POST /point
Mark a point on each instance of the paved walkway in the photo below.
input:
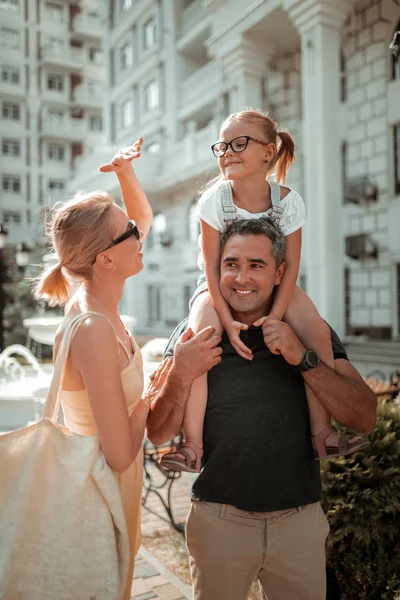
(153, 580)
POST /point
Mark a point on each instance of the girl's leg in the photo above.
(188, 456)
(314, 333)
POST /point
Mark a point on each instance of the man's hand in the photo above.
(280, 339)
(194, 355)
(123, 158)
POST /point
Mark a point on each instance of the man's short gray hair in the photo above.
(263, 226)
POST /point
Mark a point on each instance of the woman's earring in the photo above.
(266, 161)
(114, 269)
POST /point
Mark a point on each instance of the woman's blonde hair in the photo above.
(282, 139)
(78, 230)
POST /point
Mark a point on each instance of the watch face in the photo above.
(312, 359)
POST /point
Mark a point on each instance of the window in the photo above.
(154, 303)
(55, 187)
(127, 113)
(126, 56)
(10, 74)
(396, 132)
(94, 55)
(396, 61)
(149, 34)
(9, 4)
(11, 111)
(343, 78)
(95, 123)
(151, 96)
(344, 169)
(11, 183)
(126, 4)
(11, 147)
(9, 38)
(56, 152)
(55, 82)
(54, 12)
(56, 113)
(10, 216)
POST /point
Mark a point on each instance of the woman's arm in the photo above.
(285, 290)
(211, 247)
(135, 200)
(94, 353)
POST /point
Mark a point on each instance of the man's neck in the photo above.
(248, 318)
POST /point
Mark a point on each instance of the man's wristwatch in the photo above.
(310, 361)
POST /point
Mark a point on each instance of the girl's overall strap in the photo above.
(277, 209)
(228, 206)
(52, 405)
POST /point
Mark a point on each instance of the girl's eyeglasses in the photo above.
(238, 144)
(131, 230)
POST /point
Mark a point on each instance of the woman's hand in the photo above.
(233, 329)
(123, 158)
(157, 380)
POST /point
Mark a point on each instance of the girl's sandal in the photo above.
(346, 444)
(182, 460)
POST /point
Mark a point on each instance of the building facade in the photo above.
(323, 70)
(51, 94)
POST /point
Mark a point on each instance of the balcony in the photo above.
(87, 97)
(86, 26)
(70, 57)
(191, 16)
(201, 87)
(67, 128)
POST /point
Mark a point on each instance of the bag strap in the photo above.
(277, 209)
(52, 405)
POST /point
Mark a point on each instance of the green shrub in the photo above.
(362, 502)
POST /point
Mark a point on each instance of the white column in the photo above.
(319, 23)
(244, 64)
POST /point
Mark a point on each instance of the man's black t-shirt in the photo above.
(257, 442)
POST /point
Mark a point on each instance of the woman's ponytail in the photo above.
(52, 286)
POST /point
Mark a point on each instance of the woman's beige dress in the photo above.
(79, 419)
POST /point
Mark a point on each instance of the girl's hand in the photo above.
(123, 158)
(233, 330)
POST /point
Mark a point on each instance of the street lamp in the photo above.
(22, 256)
(3, 240)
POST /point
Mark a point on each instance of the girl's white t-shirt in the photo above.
(210, 210)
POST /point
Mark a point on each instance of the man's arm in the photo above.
(342, 392)
(169, 390)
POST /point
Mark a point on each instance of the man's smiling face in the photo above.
(249, 275)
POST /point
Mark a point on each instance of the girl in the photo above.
(98, 249)
(250, 151)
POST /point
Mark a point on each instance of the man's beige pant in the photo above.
(284, 550)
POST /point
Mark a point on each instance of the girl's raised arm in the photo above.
(135, 200)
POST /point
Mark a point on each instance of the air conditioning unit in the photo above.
(361, 246)
(360, 191)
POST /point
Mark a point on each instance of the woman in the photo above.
(98, 249)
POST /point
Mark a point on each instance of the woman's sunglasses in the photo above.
(131, 230)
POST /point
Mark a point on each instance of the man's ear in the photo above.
(280, 272)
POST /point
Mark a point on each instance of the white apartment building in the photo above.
(323, 70)
(51, 94)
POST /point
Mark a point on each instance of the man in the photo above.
(256, 503)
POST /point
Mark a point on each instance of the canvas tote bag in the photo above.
(62, 527)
